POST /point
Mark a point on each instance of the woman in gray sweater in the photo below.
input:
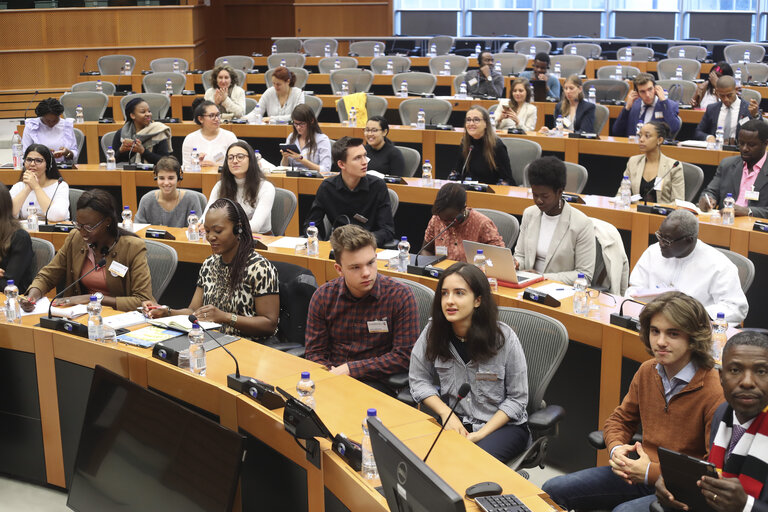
(169, 205)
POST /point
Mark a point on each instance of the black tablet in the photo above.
(681, 472)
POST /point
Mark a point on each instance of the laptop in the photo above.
(503, 268)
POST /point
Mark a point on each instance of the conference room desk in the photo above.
(62, 366)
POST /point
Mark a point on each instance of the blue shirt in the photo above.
(676, 384)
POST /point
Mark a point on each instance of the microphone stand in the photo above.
(463, 391)
(58, 324)
(658, 210)
(45, 227)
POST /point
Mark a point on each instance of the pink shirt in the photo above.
(748, 180)
(95, 281)
(476, 228)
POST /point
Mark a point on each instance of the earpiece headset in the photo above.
(238, 228)
(179, 175)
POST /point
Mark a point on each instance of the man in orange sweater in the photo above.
(673, 396)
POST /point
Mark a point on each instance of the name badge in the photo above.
(743, 120)
(441, 250)
(658, 115)
(378, 326)
(487, 376)
(752, 195)
(117, 269)
(472, 81)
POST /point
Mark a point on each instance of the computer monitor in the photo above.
(141, 451)
(409, 484)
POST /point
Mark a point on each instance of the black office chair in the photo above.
(297, 285)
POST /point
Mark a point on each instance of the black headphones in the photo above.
(237, 229)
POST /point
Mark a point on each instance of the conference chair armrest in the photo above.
(545, 419)
(397, 380)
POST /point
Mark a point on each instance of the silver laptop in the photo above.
(503, 267)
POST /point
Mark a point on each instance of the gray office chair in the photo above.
(569, 64)
(607, 89)
(202, 201)
(242, 62)
(113, 64)
(94, 104)
(736, 52)
(635, 53)
(374, 106)
(524, 46)
(693, 176)
(315, 47)
(608, 72)
(576, 177)
(437, 111)
(511, 63)
(250, 104)
(288, 45)
(328, 64)
(751, 94)
(601, 117)
(74, 196)
(315, 103)
(294, 60)
(162, 260)
(521, 153)
(394, 202)
(206, 78)
(687, 51)
(166, 64)
(507, 224)
(758, 71)
(302, 75)
(283, 208)
(107, 88)
(418, 82)
(744, 265)
(43, 251)
(586, 50)
(458, 64)
(443, 44)
(80, 140)
(544, 341)
(681, 91)
(412, 160)
(667, 68)
(359, 80)
(155, 82)
(159, 104)
(367, 48)
(400, 64)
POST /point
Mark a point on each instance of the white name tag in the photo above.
(441, 250)
(378, 326)
(473, 81)
(117, 269)
(658, 115)
(743, 120)
(751, 195)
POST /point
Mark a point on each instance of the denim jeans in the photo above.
(599, 488)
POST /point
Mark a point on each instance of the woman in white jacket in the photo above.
(226, 92)
(277, 102)
(521, 113)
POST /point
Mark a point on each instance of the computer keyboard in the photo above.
(502, 503)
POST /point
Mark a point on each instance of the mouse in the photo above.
(483, 489)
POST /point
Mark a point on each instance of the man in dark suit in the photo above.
(646, 102)
(745, 177)
(730, 112)
(738, 433)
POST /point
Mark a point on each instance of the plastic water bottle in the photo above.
(197, 350)
(337, 64)
(463, 90)
(79, 117)
(403, 253)
(369, 470)
(426, 174)
(274, 48)
(746, 56)
(681, 53)
(421, 119)
(625, 194)
(306, 390)
(480, 260)
(679, 73)
(32, 217)
(12, 306)
(556, 71)
(719, 138)
(327, 50)
(377, 50)
(403, 89)
(352, 121)
(111, 162)
(127, 218)
(95, 322)
(719, 337)
(257, 115)
(127, 68)
(176, 67)
(194, 166)
(99, 86)
(592, 95)
(193, 226)
(17, 150)
(532, 52)
(313, 247)
(168, 88)
(390, 68)
(580, 306)
(638, 130)
(282, 63)
(225, 62)
(497, 67)
(573, 50)
(344, 88)
(478, 49)
(559, 126)
(737, 77)
(618, 72)
(446, 68)
(714, 216)
(433, 50)
(728, 213)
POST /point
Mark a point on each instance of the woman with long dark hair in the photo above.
(314, 146)
(141, 140)
(123, 281)
(243, 182)
(705, 94)
(483, 156)
(51, 130)
(236, 287)
(465, 342)
(39, 184)
(17, 261)
(384, 155)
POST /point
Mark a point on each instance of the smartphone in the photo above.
(504, 102)
(290, 147)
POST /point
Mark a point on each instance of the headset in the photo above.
(179, 173)
(238, 228)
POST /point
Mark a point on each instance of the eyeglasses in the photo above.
(473, 120)
(215, 115)
(297, 124)
(371, 130)
(237, 156)
(36, 161)
(666, 241)
(87, 227)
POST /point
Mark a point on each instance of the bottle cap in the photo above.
(195, 325)
(312, 224)
(426, 161)
(94, 298)
(126, 207)
(721, 316)
(371, 412)
(304, 375)
(479, 251)
(191, 212)
(403, 238)
(10, 281)
(581, 276)
(31, 203)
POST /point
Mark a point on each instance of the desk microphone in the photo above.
(52, 196)
(84, 61)
(463, 392)
(626, 321)
(24, 121)
(466, 164)
(660, 210)
(52, 323)
(458, 220)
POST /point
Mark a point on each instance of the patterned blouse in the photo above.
(259, 279)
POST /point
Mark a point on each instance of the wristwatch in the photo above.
(232, 319)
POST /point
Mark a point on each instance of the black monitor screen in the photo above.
(409, 484)
(140, 451)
